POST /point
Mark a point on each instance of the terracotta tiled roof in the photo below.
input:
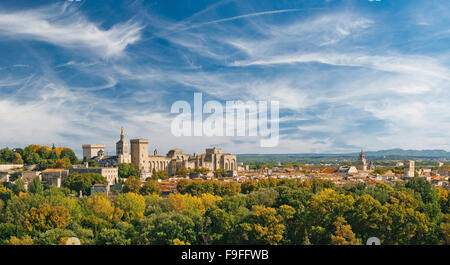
(330, 170)
(54, 170)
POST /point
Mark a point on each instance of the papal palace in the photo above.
(175, 159)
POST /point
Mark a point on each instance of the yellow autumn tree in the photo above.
(344, 234)
(46, 217)
(263, 226)
(61, 163)
(176, 241)
(26, 240)
(176, 202)
(132, 205)
(101, 206)
(209, 200)
(443, 198)
(18, 159)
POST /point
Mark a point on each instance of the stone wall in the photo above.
(7, 167)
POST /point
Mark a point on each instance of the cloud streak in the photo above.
(217, 21)
(68, 28)
(398, 64)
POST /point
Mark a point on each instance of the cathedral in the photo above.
(123, 149)
(362, 163)
(174, 160)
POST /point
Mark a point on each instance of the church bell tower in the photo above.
(123, 149)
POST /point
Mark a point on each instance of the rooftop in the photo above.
(54, 170)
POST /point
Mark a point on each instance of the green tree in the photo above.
(36, 186)
(6, 155)
(126, 170)
(150, 187)
(406, 224)
(164, 228)
(263, 226)
(83, 182)
(344, 234)
(18, 187)
(369, 218)
(8, 230)
(111, 236)
(132, 184)
(427, 193)
(161, 174)
(101, 213)
(99, 205)
(228, 189)
(249, 186)
(5, 194)
(69, 154)
(53, 236)
(132, 205)
(46, 217)
(26, 240)
(15, 212)
(219, 225)
(322, 212)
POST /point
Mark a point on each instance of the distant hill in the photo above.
(419, 153)
(390, 154)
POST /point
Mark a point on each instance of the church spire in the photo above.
(122, 136)
(122, 148)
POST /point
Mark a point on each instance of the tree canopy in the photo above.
(217, 212)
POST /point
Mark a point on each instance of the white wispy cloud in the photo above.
(69, 28)
(399, 64)
(255, 14)
(338, 91)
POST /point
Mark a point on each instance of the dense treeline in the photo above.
(83, 182)
(212, 212)
(41, 155)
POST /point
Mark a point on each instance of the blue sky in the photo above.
(348, 74)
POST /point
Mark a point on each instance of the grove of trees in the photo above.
(41, 155)
(212, 212)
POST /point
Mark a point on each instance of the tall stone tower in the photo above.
(139, 154)
(92, 150)
(123, 149)
(362, 162)
(409, 168)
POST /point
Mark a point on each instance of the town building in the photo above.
(110, 173)
(100, 188)
(29, 176)
(123, 149)
(92, 150)
(54, 176)
(362, 162)
(175, 159)
(8, 167)
(409, 168)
